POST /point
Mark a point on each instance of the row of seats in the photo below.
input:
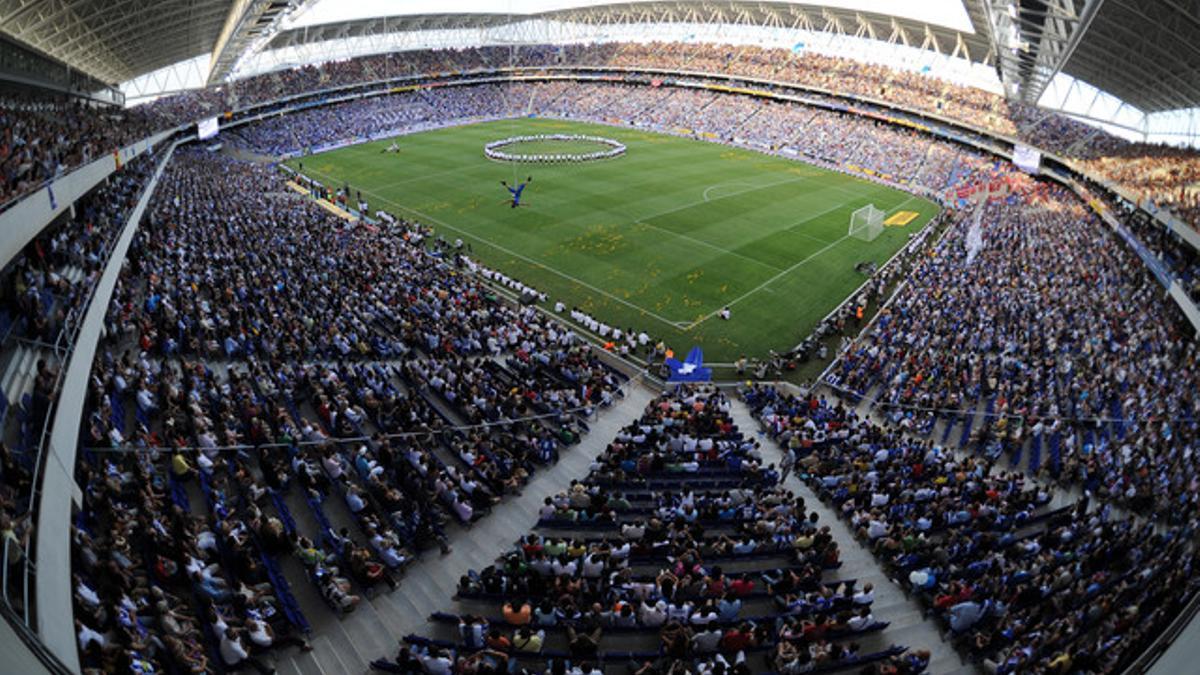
(1020, 586)
(680, 531)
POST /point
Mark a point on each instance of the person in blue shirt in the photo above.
(516, 191)
(729, 607)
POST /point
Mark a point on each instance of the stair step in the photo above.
(363, 629)
(305, 663)
(348, 651)
(326, 656)
(390, 615)
(10, 373)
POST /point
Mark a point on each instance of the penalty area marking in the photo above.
(715, 186)
(785, 272)
(766, 283)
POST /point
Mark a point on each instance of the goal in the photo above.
(866, 223)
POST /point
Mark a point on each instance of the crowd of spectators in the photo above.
(1167, 177)
(43, 291)
(839, 139)
(1072, 350)
(638, 547)
(45, 136)
(258, 347)
(1020, 586)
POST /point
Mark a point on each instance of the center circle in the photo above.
(553, 148)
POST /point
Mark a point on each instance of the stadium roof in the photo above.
(1146, 53)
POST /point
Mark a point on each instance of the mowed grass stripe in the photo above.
(633, 240)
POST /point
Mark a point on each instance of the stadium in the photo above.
(654, 337)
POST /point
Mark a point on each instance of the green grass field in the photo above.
(659, 239)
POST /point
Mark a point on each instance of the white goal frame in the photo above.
(866, 223)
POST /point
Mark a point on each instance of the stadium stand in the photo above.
(1020, 586)
(288, 405)
(678, 497)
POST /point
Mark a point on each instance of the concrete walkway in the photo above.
(349, 644)
(372, 631)
(908, 627)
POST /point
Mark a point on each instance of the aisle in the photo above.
(373, 630)
(908, 627)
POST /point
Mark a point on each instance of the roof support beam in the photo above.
(1034, 40)
(1090, 8)
(249, 25)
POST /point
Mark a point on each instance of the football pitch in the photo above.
(659, 240)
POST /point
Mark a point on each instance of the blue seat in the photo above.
(1035, 454)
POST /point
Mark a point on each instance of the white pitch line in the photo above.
(764, 284)
(714, 186)
(531, 261)
(752, 188)
(698, 202)
(706, 244)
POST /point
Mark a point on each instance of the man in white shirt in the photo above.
(862, 621)
(633, 531)
(706, 641)
(87, 636)
(653, 616)
(437, 662)
(866, 596)
(235, 655)
(876, 528)
(262, 635)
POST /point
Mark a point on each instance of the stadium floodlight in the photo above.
(866, 223)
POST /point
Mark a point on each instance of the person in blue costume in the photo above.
(516, 191)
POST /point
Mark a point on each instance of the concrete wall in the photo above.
(59, 490)
(24, 221)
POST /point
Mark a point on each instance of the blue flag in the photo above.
(50, 192)
(691, 369)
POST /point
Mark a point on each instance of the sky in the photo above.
(948, 13)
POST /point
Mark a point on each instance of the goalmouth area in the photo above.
(660, 239)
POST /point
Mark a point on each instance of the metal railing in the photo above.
(23, 618)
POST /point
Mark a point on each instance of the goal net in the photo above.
(866, 223)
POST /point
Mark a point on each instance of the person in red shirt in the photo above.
(737, 639)
(716, 583)
(741, 586)
(815, 630)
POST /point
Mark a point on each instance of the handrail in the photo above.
(19, 623)
(25, 619)
(1164, 640)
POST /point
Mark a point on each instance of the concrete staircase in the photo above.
(908, 625)
(348, 644)
(72, 274)
(19, 374)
